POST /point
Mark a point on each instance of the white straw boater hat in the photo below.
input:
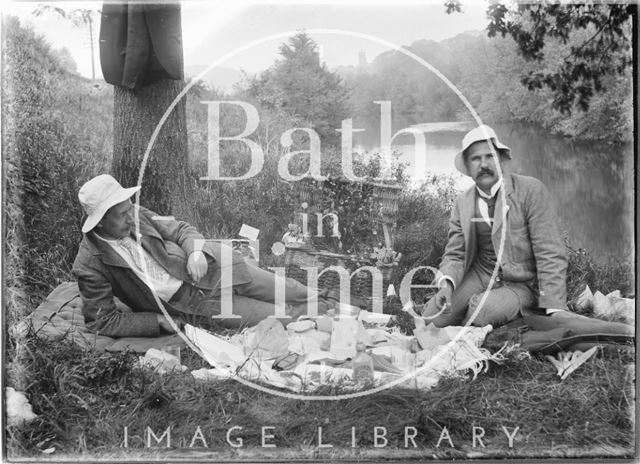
(482, 132)
(98, 195)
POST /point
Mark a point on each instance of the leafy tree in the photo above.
(301, 86)
(487, 71)
(64, 57)
(604, 50)
(79, 17)
(416, 94)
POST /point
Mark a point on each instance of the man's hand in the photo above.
(166, 326)
(443, 297)
(197, 265)
(441, 300)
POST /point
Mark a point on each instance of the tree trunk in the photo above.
(136, 116)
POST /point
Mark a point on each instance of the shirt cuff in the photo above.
(550, 311)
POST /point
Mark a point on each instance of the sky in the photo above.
(213, 29)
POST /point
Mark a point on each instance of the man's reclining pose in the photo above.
(174, 260)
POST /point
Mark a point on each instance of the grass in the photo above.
(583, 270)
(85, 399)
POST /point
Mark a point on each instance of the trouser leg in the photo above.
(252, 311)
(454, 314)
(583, 325)
(197, 308)
(499, 305)
(264, 283)
(503, 303)
(253, 301)
(297, 296)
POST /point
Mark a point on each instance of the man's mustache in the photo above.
(485, 171)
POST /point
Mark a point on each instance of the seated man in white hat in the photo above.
(504, 238)
(170, 262)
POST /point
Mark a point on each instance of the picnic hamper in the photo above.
(313, 252)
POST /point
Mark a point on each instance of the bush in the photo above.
(423, 223)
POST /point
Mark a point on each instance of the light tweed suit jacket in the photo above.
(532, 250)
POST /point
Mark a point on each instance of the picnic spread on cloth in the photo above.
(394, 354)
(310, 352)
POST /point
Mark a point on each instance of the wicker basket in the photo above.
(320, 253)
(299, 257)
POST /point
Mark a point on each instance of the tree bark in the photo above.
(136, 115)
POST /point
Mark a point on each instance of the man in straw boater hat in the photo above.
(532, 268)
(171, 258)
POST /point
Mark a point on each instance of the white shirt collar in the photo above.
(113, 242)
(494, 189)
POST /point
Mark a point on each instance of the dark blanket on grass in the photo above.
(60, 315)
(549, 335)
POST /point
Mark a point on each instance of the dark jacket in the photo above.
(533, 250)
(103, 274)
(140, 43)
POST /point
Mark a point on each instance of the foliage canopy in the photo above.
(604, 50)
(302, 86)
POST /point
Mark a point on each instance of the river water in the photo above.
(592, 185)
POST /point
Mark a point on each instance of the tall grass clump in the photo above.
(71, 389)
(592, 408)
(57, 139)
(56, 134)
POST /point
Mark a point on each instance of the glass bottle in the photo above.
(362, 364)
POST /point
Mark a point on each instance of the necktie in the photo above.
(491, 204)
(142, 260)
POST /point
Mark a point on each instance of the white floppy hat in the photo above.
(98, 195)
(482, 132)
